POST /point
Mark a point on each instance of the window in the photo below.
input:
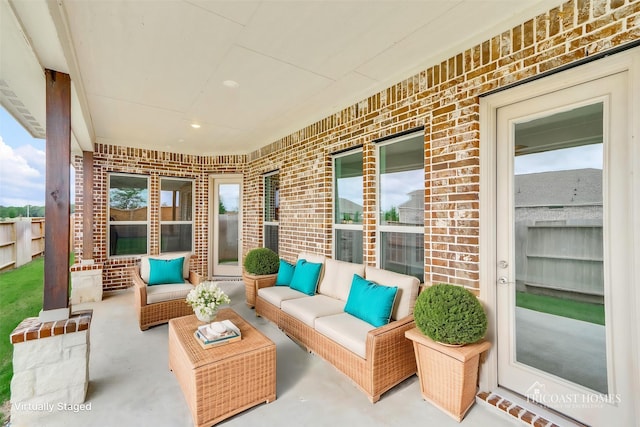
(128, 215)
(347, 202)
(401, 204)
(271, 210)
(176, 215)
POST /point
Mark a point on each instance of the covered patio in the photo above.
(131, 383)
(161, 107)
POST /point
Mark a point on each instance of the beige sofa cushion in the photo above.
(346, 330)
(276, 294)
(338, 276)
(308, 309)
(145, 269)
(407, 289)
(159, 293)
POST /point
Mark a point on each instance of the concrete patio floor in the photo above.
(131, 385)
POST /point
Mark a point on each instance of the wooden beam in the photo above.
(57, 191)
(87, 200)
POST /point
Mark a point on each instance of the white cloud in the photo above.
(22, 175)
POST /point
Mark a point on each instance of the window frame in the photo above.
(266, 223)
(111, 222)
(334, 224)
(161, 222)
(386, 228)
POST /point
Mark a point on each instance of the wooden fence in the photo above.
(21, 240)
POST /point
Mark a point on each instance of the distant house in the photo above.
(559, 195)
(558, 226)
(412, 211)
(350, 210)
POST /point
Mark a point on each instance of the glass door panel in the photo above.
(558, 242)
(227, 221)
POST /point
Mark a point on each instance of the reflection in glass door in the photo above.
(227, 220)
(558, 242)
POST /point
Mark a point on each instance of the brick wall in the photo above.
(155, 165)
(443, 98)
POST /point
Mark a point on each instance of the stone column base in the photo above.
(50, 366)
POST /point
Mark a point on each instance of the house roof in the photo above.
(144, 71)
(559, 188)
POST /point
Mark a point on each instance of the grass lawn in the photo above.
(21, 292)
(588, 312)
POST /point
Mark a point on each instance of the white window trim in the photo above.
(109, 222)
(192, 222)
(334, 224)
(380, 228)
(265, 223)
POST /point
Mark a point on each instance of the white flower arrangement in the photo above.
(206, 298)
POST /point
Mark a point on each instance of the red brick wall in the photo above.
(443, 98)
(155, 165)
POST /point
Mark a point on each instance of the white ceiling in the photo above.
(143, 71)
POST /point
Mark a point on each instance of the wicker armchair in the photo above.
(152, 313)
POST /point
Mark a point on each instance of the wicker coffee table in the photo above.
(222, 381)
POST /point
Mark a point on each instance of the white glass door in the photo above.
(562, 250)
(226, 239)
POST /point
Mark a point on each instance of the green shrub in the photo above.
(261, 261)
(450, 314)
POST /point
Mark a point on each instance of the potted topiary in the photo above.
(260, 269)
(448, 340)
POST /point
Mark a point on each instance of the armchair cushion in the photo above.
(165, 271)
(168, 292)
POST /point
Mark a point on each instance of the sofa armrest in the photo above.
(266, 281)
(194, 278)
(389, 337)
(140, 288)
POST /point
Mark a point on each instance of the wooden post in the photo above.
(87, 200)
(57, 196)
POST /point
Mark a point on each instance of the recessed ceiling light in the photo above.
(195, 125)
(231, 83)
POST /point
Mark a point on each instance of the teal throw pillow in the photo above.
(165, 271)
(370, 302)
(285, 273)
(305, 277)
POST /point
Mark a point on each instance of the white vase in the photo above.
(206, 318)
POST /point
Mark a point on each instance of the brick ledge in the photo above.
(525, 415)
(32, 329)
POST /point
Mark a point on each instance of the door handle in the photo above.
(503, 280)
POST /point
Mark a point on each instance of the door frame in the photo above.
(213, 178)
(628, 61)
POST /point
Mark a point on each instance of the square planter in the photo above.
(448, 375)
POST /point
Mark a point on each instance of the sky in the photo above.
(22, 164)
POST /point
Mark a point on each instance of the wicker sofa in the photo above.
(158, 304)
(375, 358)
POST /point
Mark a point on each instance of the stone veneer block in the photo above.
(50, 364)
(86, 283)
